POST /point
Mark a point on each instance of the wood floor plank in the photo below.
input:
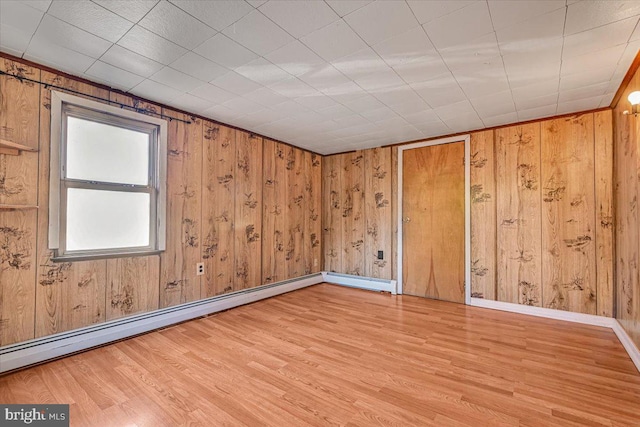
(328, 355)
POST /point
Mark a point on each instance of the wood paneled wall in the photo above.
(541, 206)
(224, 208)
(357, 218)
(627, 219)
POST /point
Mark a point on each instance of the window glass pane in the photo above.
(99, 219)
(99, 152)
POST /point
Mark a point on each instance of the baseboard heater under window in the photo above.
(38, 350)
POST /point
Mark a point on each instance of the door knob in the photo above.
(407, 219)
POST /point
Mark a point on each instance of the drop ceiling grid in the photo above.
(342, 74)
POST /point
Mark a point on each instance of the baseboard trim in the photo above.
(627, 343)
(369, 283)
(587, 319)
(567, 316)
(39, 350)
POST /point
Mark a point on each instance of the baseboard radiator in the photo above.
(38, 350)
(370, 283)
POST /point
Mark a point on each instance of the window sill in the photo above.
(74, 258)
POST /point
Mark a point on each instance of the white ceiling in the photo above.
(339, 75)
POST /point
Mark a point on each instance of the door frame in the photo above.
(467, 207)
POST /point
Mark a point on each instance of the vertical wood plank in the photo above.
(518, 214)
(178, 280)
(19, 119)
(132, 286)
(332, 213)
(313, 218)
(353, 212)
(394, 213)
(377, 212)
(483, 216)
(218, 208)
(603, 128)
(568, 226)
(274, 210)
(295, 212)
(248, 223)
(627, 217)
(68, 295)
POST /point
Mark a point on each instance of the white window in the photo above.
(107, 181)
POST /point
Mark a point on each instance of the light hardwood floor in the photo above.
(328, 355)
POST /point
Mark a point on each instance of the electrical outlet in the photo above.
(200, 268)
(380, 255)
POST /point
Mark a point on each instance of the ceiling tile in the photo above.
(345, 7)
(422, 117)
(584, 15)
(334, 41)
(508, 13)
(472, 54)
(335, 111)
(323, 77)
(91, 18)
(199, 67)
(440, 91)
(262, 71)
(397, 95)
(364, 104)
(579, 105)
(483, 80)
(405, 47)
(495, 104)
(219, 17)
(175, 25)
(132, 10)
(636, 34)
(431, 129)
(583, 92)
(113, 76)
(580, 63)
(176, 80)
(316, 101)
(379, 114)
(379, 80)
(155, 91)
(536, 113)
(191, 103)
(235, 83)
(460, 26)
(606, 100)
(289, 108)
(54, 31)
(390, 17)
(360, 64)
(295, 58)
(422, 69)
(546, 87)
(503, 119)
(265, 96)
(293, 88)
(257, 33)
(532, 34)
(427, 11)
(13, 40)
(536, 101)
(221, 113)
(130, 61)
(41, 5)
(256, 3)
(212, 93)
(20, 16)
(262, 117)
(44, 52)
(412, 104)
(243, 106)
(299, 18)
(152, 46)
(588, 77)
(599, 38)
(225, 51)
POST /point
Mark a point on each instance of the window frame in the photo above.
(63, 106)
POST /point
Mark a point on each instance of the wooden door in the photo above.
(433, 222)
